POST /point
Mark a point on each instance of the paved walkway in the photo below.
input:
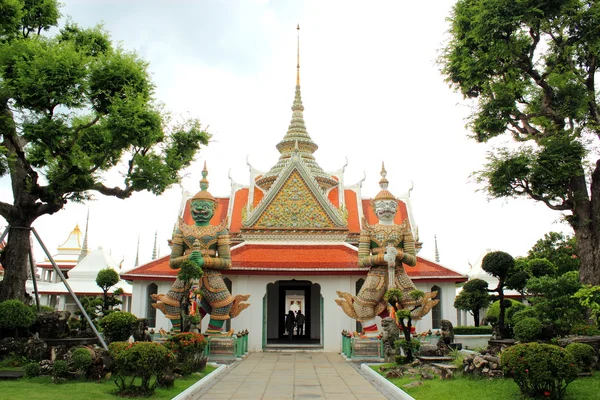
(275, 376)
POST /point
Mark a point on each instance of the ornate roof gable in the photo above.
(295, 201)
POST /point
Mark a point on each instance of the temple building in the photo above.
(80, 267)
(294, 232)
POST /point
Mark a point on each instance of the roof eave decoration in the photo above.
(296, 164)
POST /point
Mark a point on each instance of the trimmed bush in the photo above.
(584, 330)
(118, 326)
(15, 315)
(515, 307)
(527, 312)
(60, 371)
(540, 370)
(188, 349)
(584, 354)
(32, 370)
(147, 361)
(81, 360)
(528, 330)
(473, 330)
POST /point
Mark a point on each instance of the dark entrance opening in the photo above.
(295, 295)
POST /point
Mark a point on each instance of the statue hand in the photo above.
(196, 257)
(400, 255)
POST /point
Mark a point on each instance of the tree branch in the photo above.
(6, 210)
(115, 191)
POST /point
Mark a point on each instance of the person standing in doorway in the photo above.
(300, 322)
(290, 321)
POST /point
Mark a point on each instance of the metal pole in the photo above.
(33, 278)
(62, 278)
(4, 233)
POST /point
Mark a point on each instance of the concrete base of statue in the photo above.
(362, 349)
(227, 348)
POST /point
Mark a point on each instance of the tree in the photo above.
(559, 249)
(555, 303)
(403, 318)
(73, 107)
(500, 265)
(106, 279)
(530, 67)
(473, 297)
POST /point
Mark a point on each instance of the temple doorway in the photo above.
(295, 295)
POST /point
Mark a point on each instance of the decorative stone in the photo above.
(52, 325)
(413, 384)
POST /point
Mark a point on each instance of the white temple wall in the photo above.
(334, 319)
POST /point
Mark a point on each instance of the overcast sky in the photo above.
(372, 92)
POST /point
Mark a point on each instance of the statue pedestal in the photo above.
(362, 349)
(227, 349)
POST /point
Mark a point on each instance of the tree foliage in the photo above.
(559, 249)
(500, 265)
(473, 297)
(73, 107)
(554, 302)
(530, 69)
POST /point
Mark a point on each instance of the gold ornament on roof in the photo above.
(384, 194)
(203, 194)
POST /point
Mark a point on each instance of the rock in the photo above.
(52, 325)
(413, 384)
(36, 349)
(485, 371)
(479, 361)
(447, 374)
(394, 373)
(426, 376)
(491, 358)
(10, 345)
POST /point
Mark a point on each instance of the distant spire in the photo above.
(137, 254)
(437, 253)
(84, 248)
(155, 249)
(297, 133)
(298, 58)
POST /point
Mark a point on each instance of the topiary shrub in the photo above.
(584, 354)
(143, 363)
(540, 370)
(528, 330)
(81, 360)
(32, 370)
(118, 326)
(473, 330)
(188, 349)
(515, 307)
(584, 330)
(15, 315)
(60, 371)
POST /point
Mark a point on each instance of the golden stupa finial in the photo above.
(384, 194)
(203, 194)
(298, 58)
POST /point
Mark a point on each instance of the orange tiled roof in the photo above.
(281, 259)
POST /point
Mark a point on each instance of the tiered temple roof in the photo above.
(297, 219)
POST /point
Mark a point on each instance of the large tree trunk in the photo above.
(589, 255)
(586, 224)
(14, 260)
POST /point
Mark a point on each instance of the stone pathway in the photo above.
(275, 376)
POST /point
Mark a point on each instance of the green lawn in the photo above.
(42, 388)
(460, 388)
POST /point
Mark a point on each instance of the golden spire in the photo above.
(298, 58)
(203, 194)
